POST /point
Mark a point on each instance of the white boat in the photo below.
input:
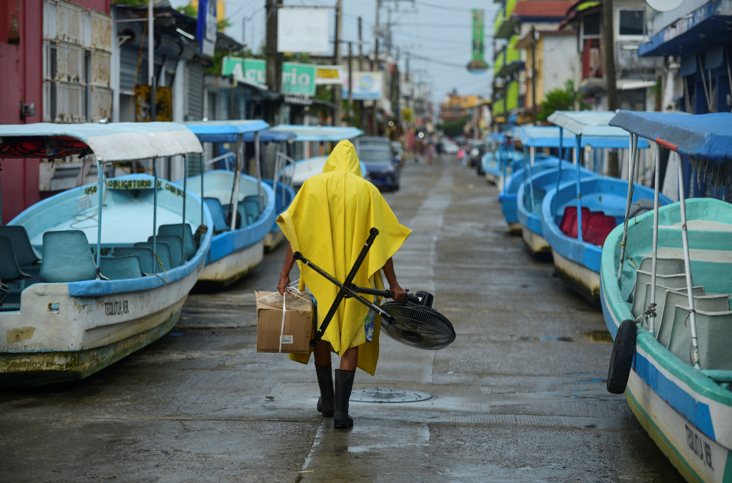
(73, 311)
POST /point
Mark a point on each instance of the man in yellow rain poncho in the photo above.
(328, 222)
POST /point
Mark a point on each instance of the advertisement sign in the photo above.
(478, 64)
(297, 79)
(303, 29)
(329, 74)
(163, 104)
(366, 85)
(206, 27)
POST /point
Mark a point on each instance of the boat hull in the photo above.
(232, 267)
(535, 243)
(273, 239)
(583, 280)
(515, 228)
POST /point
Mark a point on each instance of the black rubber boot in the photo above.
(343, 386)
(325, 381)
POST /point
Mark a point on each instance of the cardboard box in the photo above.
(297, 332)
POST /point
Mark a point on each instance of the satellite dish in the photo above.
(664, 5)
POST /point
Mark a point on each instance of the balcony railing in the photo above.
(503, 14)
(592, 65)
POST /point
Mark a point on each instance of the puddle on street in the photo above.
(596, 336)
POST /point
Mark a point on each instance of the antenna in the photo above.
(664, 5)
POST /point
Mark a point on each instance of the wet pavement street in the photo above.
(519, 396)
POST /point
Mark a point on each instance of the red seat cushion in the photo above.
(596, 225)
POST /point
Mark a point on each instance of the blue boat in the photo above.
(577, 216)
(242, 207)
(303, 170)
(493, 164)
(665, 296)
(97, 272)
(543, 177)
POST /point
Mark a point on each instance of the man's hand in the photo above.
(284, 282)
(399, 292)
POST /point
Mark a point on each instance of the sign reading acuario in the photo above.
(298, 79)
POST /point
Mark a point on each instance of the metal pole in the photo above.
(237, 178)
(100, 170)
(628, 203)
(1, 199)
(655, 242)
(155, 212)
(561, 161)
(687, 263)
(183, 225)
(532, 151)
(337, 94)
(259, 171)
(350, 74)
(579, 192)
(150, 44)
(203, 167)
(533, 75)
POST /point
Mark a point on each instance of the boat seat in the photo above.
(121, 268)
(673, 282)
(239, 217)
(713, 329)
(218, 215)
(661, 301)
(143, 253)
(24, 253)
(9, 269)
(673, 299)
(163, 253)
(67, 257)
(251, 206)
(664, 266)
(175, 230)
(176, 248)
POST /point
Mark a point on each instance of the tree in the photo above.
(560, 100)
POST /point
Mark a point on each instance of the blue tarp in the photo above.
(701, 136)
(224, 131)
(319, 133)
(548, 137)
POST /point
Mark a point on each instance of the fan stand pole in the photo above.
(345, 287)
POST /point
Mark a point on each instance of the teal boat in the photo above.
(94, 273)
(666, 288)
(242, 207)
(577, 216)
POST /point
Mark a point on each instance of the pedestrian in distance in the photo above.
(461, 156)
(328, 222)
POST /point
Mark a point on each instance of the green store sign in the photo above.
(297, 79)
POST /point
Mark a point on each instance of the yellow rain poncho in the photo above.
(328, 222)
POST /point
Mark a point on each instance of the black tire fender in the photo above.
(621, 359)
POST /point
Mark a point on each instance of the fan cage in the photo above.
(418, 326)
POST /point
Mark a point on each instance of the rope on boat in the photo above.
(161, 264)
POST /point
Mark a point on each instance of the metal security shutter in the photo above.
(127, 67)
(194, 109)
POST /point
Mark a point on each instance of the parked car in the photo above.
(449, 147)
(398, 150)
(476, 152)
(367, 142)
(381, 170)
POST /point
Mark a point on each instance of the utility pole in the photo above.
(350, 74)
(608, 30)
(360, 46)
(151, 58)
(273, 59)
(375, 65)
(337, 91)
(534, 104)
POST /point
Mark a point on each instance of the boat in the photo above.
(97, 272)
(665, 298)
(242, 207)
(304, 169)
(493, 164)
(577, 216)
(544, 176)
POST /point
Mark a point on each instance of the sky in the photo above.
(437, 30)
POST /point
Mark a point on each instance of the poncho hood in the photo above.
(328, 222)
(343, 158)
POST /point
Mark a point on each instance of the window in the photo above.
(591, 25)
(77, 46)
(631, 23)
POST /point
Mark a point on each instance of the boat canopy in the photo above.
(115, 142)
(592, 124)
(270, 136)
(548, 137)
(225, 131)
(319, 133)
(701, 136)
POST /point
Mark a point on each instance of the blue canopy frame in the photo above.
(319, 133)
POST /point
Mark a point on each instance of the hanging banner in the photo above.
(478, 64)
(303, 29)
(297, 79)
(329, 74)
(206, 26)
(366, 85)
